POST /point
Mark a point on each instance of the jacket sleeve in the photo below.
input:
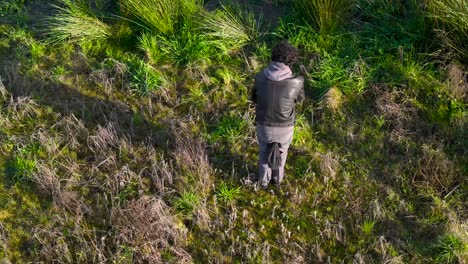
(253, 96)
(301, 94)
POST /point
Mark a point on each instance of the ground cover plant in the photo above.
(127, 134)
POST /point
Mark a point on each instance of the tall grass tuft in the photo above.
(324, 15)
(168, 30)
(186, 47)
(451, 17)
(231, 27)
(77, 23)
(160, 16)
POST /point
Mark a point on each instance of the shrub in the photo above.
(324, 15)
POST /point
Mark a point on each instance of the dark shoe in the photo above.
(277, 185)
(275, 182)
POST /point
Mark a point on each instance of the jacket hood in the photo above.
(277, 71)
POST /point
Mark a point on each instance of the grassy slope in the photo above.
(376, 172)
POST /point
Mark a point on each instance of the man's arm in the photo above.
(301, 95)
(253, 95)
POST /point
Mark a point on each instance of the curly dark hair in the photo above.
(285, 53)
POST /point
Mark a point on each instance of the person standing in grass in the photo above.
(275, 93)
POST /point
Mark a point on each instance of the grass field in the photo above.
(127, 134)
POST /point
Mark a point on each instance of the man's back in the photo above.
(276, 99)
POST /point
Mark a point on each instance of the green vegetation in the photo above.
(77, 23)
(448, 248)
(187, 203)
(452, 25)
(228, 194)
(21, 166)
(324, 15)
(127, 135)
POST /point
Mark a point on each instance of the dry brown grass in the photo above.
(3, 237)
(143, 226)
(111, 79)
(435, 170)
(195, 172)
(16, 82)
(383, 247)
(458, 225)
(78, 244)
(55, 248)
(458, 82)
(147, 226)
(74, 131)
(3, 91)
(22, 107)
(162, 173)
(399, 112)
(328, 165)
(192, 159)
(47, 180)
(333, 99)
(104, 139)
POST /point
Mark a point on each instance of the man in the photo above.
(276, 91)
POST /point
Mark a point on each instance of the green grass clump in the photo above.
(186, 47)
(449, 248)
(143, 77)
(167, 31)
(77, 23)
(23, 164)
(187, 203)
(160, 16)
(20, 169)
(231, 27)
(326, 16)
(451, 17)
(175, 34)
(228, 193)
(11, 6)
(368, 227)
(229, 129)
